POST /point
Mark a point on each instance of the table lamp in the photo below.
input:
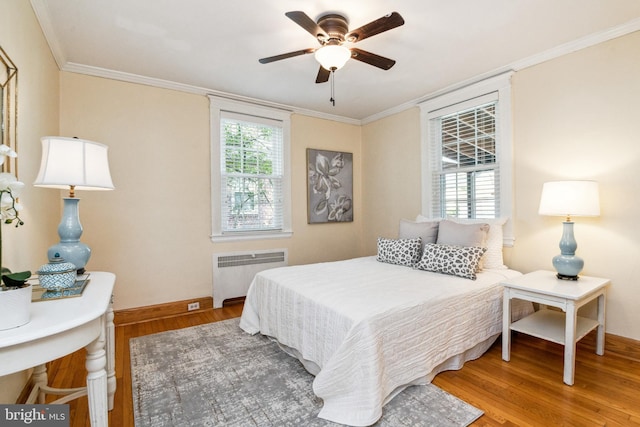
(75, 164)
(569, 198)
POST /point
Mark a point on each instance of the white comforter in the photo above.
(372, 328)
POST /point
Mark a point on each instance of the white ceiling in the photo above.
(213, 46)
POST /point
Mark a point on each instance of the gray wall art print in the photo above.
(329, 186)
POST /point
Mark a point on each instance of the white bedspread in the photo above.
(372, 328)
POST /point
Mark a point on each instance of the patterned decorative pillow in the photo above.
(459, 261)
(399, 251)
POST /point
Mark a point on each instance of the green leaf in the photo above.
(22, 275)
(16, 280)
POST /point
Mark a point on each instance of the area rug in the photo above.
(218, 375)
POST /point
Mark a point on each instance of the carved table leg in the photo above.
(111, 355)
(40, 379)
(97, 382)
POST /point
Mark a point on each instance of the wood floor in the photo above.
(527, 391)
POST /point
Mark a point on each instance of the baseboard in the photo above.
(158, 311)
(625, 347)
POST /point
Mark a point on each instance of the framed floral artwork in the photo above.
(329, 186)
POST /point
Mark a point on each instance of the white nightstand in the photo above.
(566, 328)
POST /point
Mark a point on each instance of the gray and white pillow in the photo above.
(459, 261)
(399, 251)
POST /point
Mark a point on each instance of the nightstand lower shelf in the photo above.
(550, 325)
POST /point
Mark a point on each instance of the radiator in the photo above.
(233, 272)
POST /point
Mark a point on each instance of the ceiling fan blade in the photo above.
(307, 23)
(285, 56)
(378, 26)
(323, 75)
(372, 58)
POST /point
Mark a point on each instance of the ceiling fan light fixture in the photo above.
(332, 57)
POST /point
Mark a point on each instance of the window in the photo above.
(464, 169)
(250, 178)
(467, 153)
(251, 174)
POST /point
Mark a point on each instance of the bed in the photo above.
(368, 328)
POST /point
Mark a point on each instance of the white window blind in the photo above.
(465, 170)
(251, 173)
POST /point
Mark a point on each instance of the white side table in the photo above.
(566, 328)
(60, 327)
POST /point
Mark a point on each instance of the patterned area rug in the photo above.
(217, 375)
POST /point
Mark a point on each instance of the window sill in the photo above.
(245, 235)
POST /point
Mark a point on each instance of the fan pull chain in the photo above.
(332, 100)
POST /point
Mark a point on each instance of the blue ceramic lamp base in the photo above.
(76, 253)
(70, 248)
(568, 267)
(567, 264)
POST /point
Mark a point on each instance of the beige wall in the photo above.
(323, 242)
(25, 248)
(575, 117)
(391, 173)
(153, 230)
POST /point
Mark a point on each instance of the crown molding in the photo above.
(558, 51)
(578, 44)
(167, 84)
(73, 67)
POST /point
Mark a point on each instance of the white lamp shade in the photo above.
(72, 161)
(332, 57)
(566, 198)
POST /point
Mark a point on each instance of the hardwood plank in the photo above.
(527, 391)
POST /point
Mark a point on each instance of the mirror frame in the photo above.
(9, 109)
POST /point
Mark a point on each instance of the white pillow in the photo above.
(426, 230)
(493, 257)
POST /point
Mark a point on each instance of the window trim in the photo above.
(467, 96)
(216, 106)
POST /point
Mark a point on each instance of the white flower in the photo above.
(5, 151)
(8, 182)
(10, 189)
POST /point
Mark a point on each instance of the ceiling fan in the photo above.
(332, 32)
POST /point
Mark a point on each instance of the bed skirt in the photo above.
(454, 363)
